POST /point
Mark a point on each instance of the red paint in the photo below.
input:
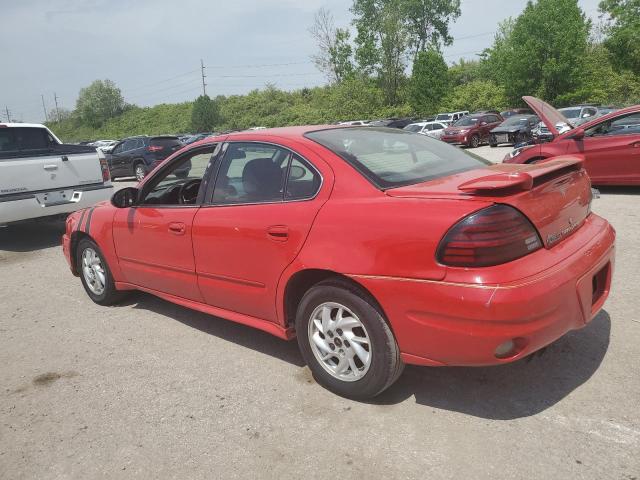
(236, 261)
(608, 159)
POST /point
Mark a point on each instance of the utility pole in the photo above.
(204, 85)
(55, 99)
(44, 108)
(6, 109)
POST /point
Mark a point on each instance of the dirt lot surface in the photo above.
(148, 389)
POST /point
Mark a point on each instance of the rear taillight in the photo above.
(104, 166)
(154, 148)
(491, 236)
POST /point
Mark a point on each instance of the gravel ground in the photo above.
(152, 390)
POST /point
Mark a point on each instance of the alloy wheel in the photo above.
(93, 271)
(339, 341)
(140, 172)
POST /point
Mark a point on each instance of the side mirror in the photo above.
(126, 197)
(483, 123)
(296, 172)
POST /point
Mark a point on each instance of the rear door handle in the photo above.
(51, 167)
(177, 228)
(279, 233)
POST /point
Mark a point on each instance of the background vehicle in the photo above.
(40, 176)
(136, 156)
(579, 114)
(450, 118)
(516, 111)
(354, 122)
(246, 237)
(610, 144)
(392, 122)
(515, 129)
(471, 130)
(432, 129)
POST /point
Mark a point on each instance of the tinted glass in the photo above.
(570, 112)
(251, 173)
(516, 120)
(129, 145)
(443, 117)
(625, 125)
(302, 182)
(413, 128)
(23, 139)
(165, 141)
(392, 158)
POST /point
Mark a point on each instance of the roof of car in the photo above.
(28, 125)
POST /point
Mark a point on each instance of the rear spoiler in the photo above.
(523, 177)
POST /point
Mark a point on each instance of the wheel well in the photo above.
(75, 239)
(302, 281)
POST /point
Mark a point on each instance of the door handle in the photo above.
(177, 228)
(279, 233)
(51, 167)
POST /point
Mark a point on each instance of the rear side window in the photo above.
(392, 158)
(21, 139)
(302, 181)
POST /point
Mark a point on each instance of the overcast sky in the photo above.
(152, 48)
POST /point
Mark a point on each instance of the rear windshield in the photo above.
(24, 138)
(516, 120)
(164, 141)
(393, 158)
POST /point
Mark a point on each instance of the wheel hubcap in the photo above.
(93, 271)
(339, 342)
(139, 172)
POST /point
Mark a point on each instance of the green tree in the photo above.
(99, 102)
(205, 115)
(474, 96)
(334, 57)
(429, 82)
(465, 71)
(542, 53)
(623, 30)
(388, 31)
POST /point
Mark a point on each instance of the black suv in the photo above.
(136, 156)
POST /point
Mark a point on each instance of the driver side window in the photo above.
(181, 183)
(623, 125)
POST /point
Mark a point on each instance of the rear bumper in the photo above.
(440, 323)
(27, 206)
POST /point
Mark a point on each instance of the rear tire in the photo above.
(346, 341)
(139, 170)
(95, 274)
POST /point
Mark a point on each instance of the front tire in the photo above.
(474, 141)
(493, 143)
(95, 274)
(346, 341)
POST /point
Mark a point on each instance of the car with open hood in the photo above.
(374, 247)
(609, 145)
(514, 130)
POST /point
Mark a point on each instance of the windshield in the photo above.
(570, 112)
(414, 127)
(467, 122)
(393, 158)
(515, 120)
(444, 116)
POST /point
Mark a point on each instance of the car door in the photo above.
(612, 150)
(153, 238)
(118, 159)
(261, 209)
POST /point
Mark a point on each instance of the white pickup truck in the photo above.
(40, 176)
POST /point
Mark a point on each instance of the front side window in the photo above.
(392, 158)
(467, 122)
(623, 125)
(181, 184)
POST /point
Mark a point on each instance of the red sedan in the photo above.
(375, 247)
(609, 144)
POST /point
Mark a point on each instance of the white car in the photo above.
(431, 129)
(40, 176)
(355, 123)
(451, 117)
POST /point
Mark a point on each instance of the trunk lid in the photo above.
(554, 195)
(551, 117)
